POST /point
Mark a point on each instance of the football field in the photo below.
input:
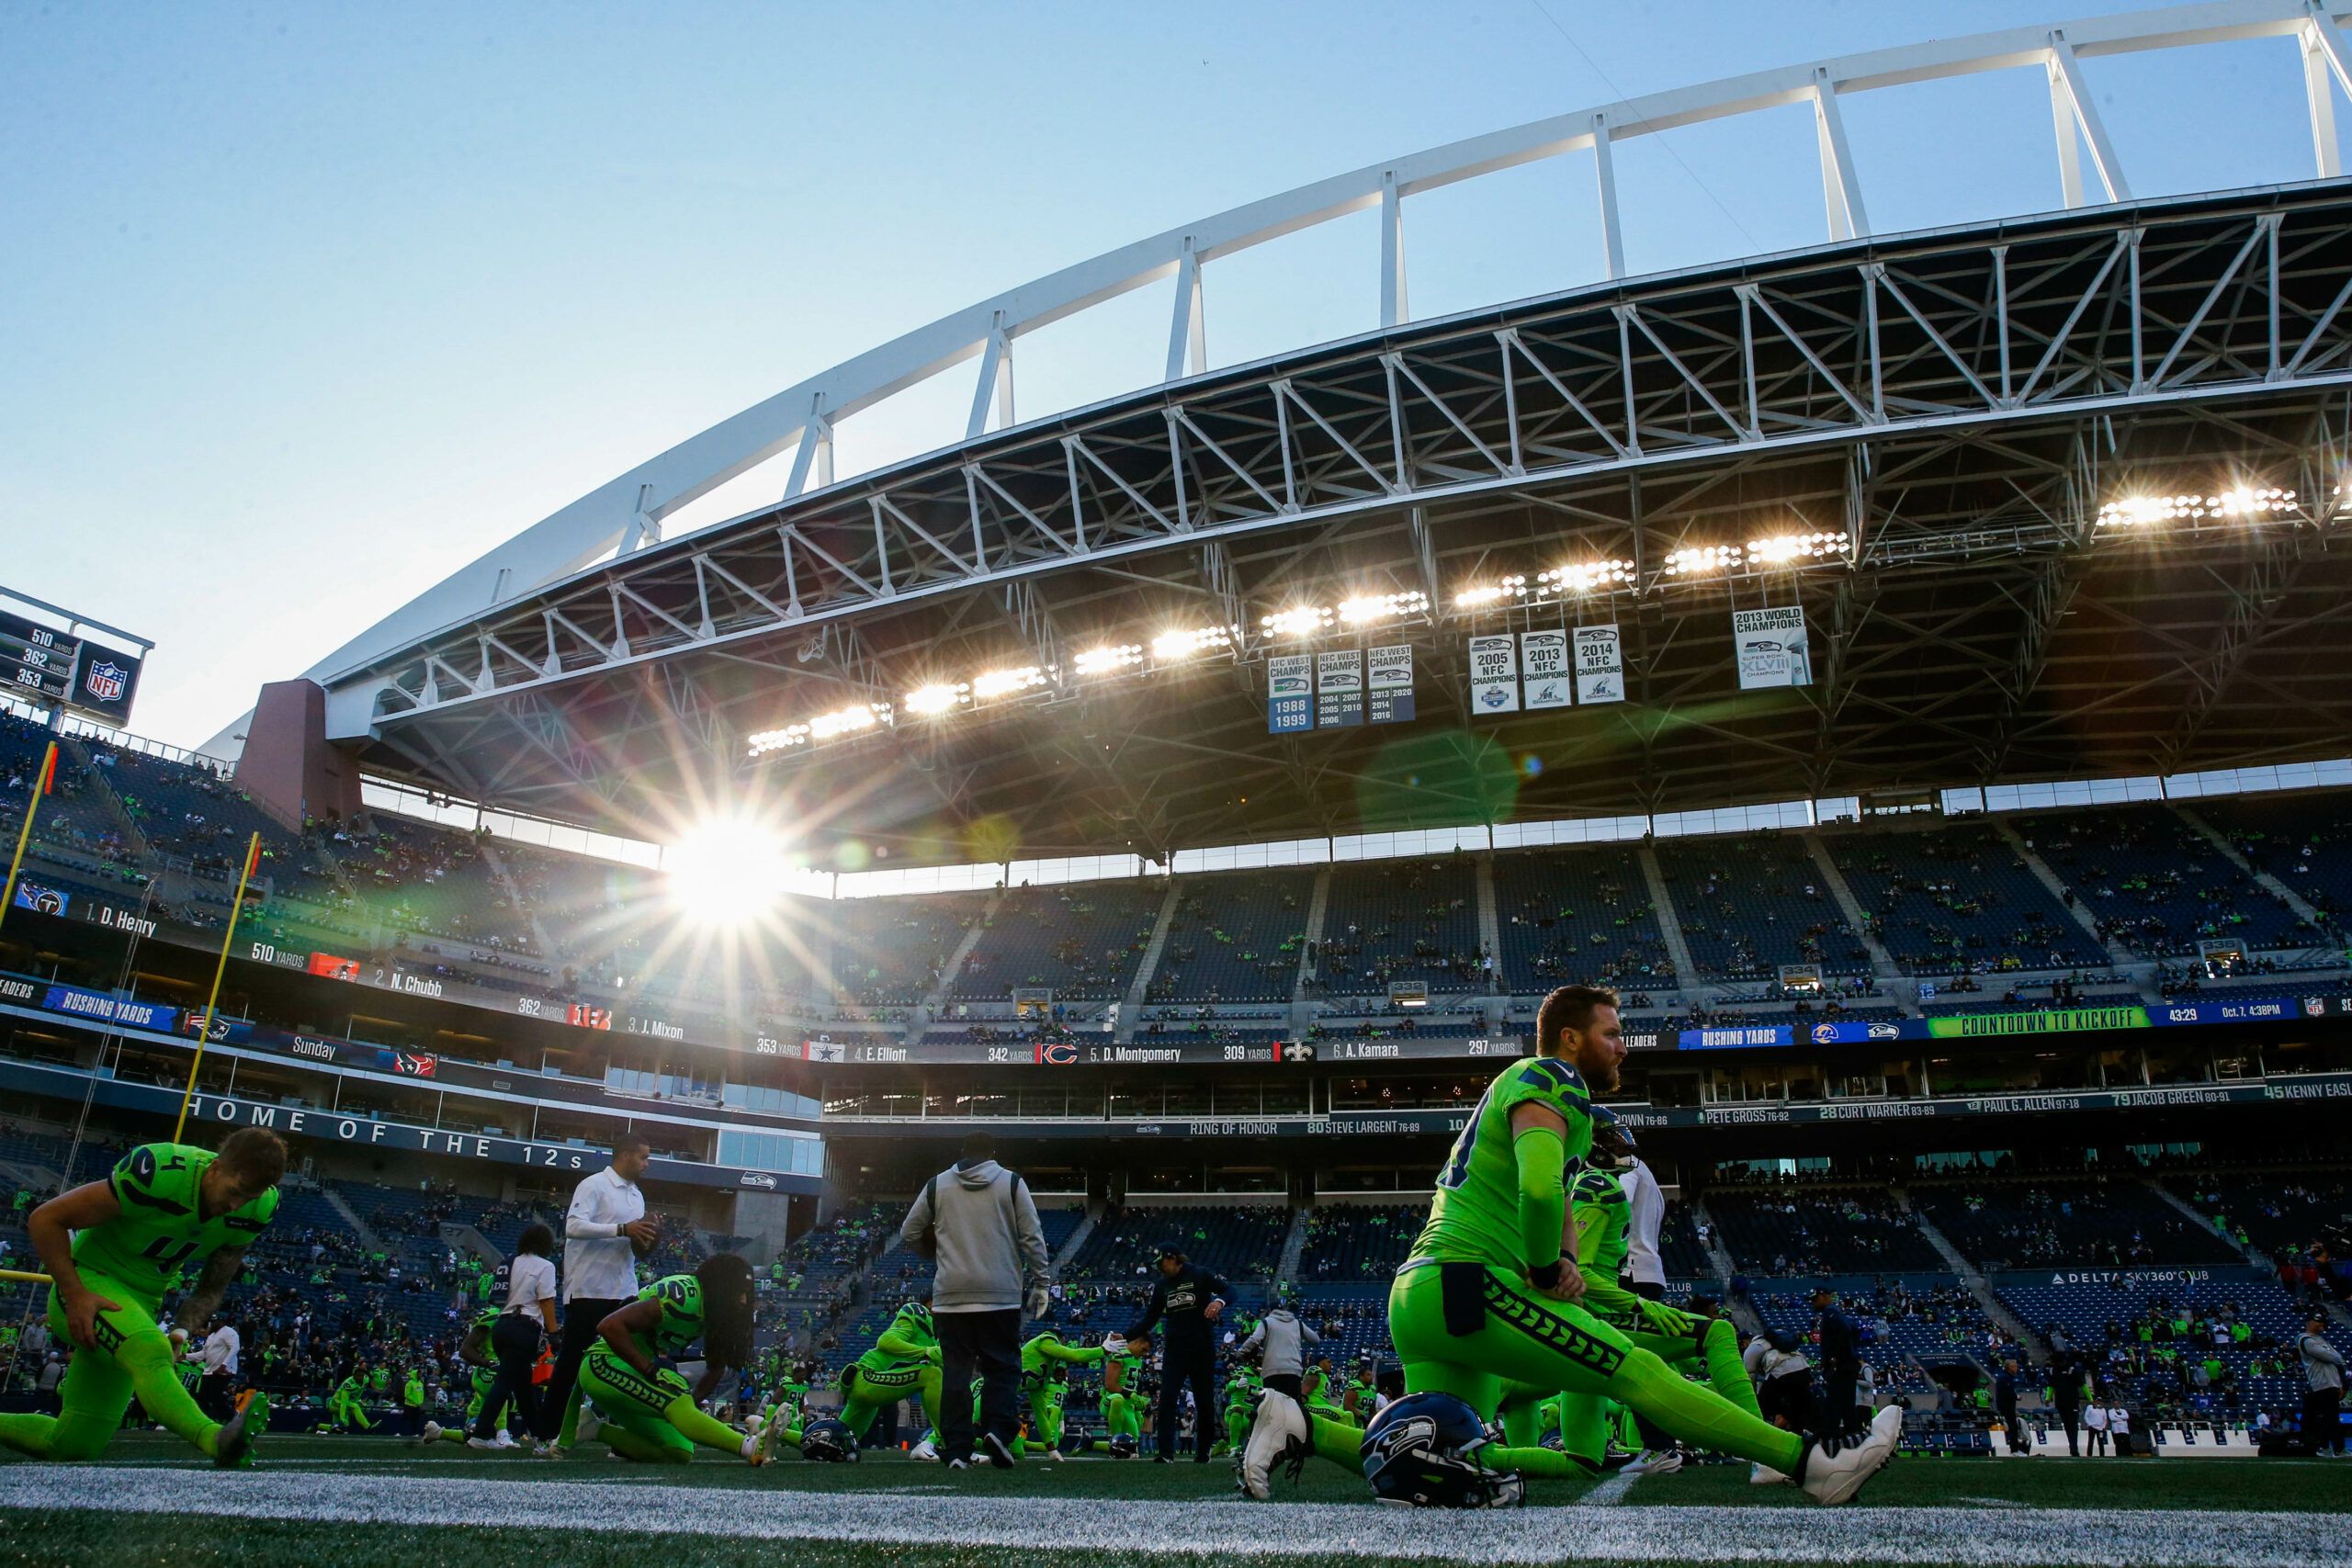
(367, 1503)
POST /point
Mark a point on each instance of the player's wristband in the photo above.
(1548, 1275)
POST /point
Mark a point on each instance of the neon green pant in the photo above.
(654, 1418)
(866, 1393)
(1674, 1336)
(1471, 1331)
(1120, 1420)
(132, 1357)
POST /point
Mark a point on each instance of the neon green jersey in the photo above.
(161, 1230)
(1048, 1347)
(1475, 1217)
(903, 1343)
(1130, 1374)
(1602, 1211)
(680, 1325)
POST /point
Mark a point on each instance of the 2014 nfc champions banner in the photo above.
(1600, 664)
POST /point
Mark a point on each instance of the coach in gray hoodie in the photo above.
(977, 1221)
(1281, 1341)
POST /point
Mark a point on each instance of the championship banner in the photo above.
(1770, 645)
(1494, 674)
(1290, 693)
(1391, 692)
(1338, 688)
(1600, 664)
(1543, 666)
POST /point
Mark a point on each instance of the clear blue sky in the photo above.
(306, 305)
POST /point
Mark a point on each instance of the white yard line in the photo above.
(2039, 1536)
(1610, 1492)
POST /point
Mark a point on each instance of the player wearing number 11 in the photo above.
(113, 1249)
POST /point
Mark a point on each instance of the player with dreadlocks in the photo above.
(649, 1412)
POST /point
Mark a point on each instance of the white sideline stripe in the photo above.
(1610, 1492)
(2041, 1536)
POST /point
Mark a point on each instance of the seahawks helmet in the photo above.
(1122, 1445)
(1612, 1143)
(830, 1441)
(1423, 1452)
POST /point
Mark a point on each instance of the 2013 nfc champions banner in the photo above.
(1770, 645)
(1544, 669)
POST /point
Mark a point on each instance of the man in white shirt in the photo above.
(224, 1348)
(605, 1232)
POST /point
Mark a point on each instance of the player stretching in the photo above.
(648, 1410)
(474, 1352)
(1122, 1417)
(113, 1249)
(905, 1358)
(1487, 1300)
(1046, 1361)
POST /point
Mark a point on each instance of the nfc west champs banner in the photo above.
(1338, 688)
(1544, 667)
(1290, 693)
(1392, 684)
(1772, 649)
(1494, 674)
(1600, 665)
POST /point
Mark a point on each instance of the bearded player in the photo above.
(112, 1249)
(1489, 1299)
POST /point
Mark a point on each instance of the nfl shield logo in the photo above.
(105, 680)
(2314, 1007)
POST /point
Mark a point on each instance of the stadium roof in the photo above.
(1954, 409)
(1915, 438)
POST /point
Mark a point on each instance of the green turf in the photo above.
(74, 1536)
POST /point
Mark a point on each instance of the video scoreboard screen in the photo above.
(44, 664)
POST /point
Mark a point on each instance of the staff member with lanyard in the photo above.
(525, 1322)
(1192, 1300)
(605, 1232)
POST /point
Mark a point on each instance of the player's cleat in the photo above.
(586, 1428)
(543, 1451)
(925, 1451)
(1836, 1468)
(432, 1433)
(957, 1464)
(1055, 1455)
(1000, 1453)
(1655, 1462)
(485, 1444)
(757, 1445)
(505, 1438)
(233, 1446)
(1761, 1475)
(1279, 1428)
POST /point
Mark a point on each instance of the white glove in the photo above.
(1114, 1344)
(1037, 1302)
